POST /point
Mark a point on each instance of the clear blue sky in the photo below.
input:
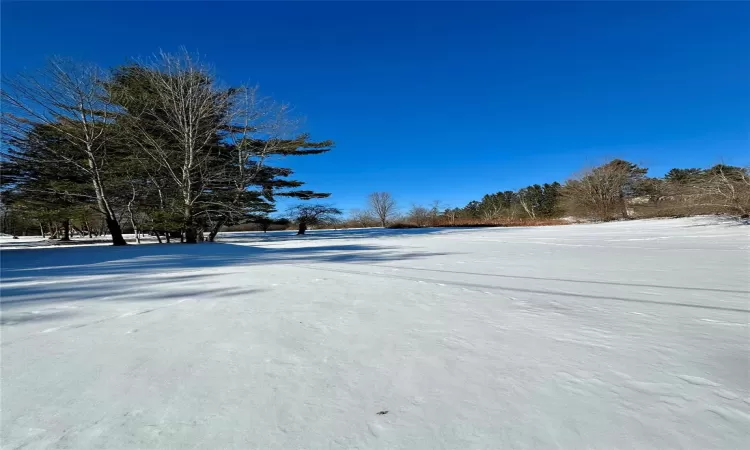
(448, 101)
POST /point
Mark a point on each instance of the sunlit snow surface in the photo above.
(619, 335)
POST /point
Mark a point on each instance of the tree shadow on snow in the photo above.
(23, 264)
(146, 272)
(325, 235)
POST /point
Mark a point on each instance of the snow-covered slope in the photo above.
(619, 335)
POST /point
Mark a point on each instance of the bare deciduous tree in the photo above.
(419, 215)
(451, 214)
(435, 213)
(212, 143)
(603, 190)
(526, 204)
(70, 99)
(727, 187)
(383, 206)
(189, 108)
(491, 210)
(362, 218)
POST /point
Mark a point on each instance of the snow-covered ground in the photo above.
(619, 335)
(9, 242)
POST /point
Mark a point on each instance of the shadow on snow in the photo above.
(50, 275)
(22, 264)
(326, 235)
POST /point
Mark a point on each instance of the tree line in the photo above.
(156, 146)
(615, 189)
(161, 147)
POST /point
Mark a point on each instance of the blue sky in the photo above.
(447, 101)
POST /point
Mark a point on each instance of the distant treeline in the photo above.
(616, 189)
(621, 189)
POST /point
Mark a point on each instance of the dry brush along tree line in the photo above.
(158, 145)
(617, 189)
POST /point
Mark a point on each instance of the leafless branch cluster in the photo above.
(600, 191)
(383, 206)
(720, 189)
(68, 98)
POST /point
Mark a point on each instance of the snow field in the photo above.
(619, 335)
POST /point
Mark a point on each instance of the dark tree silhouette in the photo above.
(306, 215)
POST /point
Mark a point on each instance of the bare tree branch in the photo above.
(383, 206)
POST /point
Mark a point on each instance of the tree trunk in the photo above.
(220, 223)
(104, 207)
(135, 228)
(625, 214)
(78, 230)
(88, 228)
(114, 229)
(52, 230)
(302, 228)
(528, 208)
(158, 238)
(191, 233)
(66, 230)
(41, 228)
(215, 230)
(116, 232)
